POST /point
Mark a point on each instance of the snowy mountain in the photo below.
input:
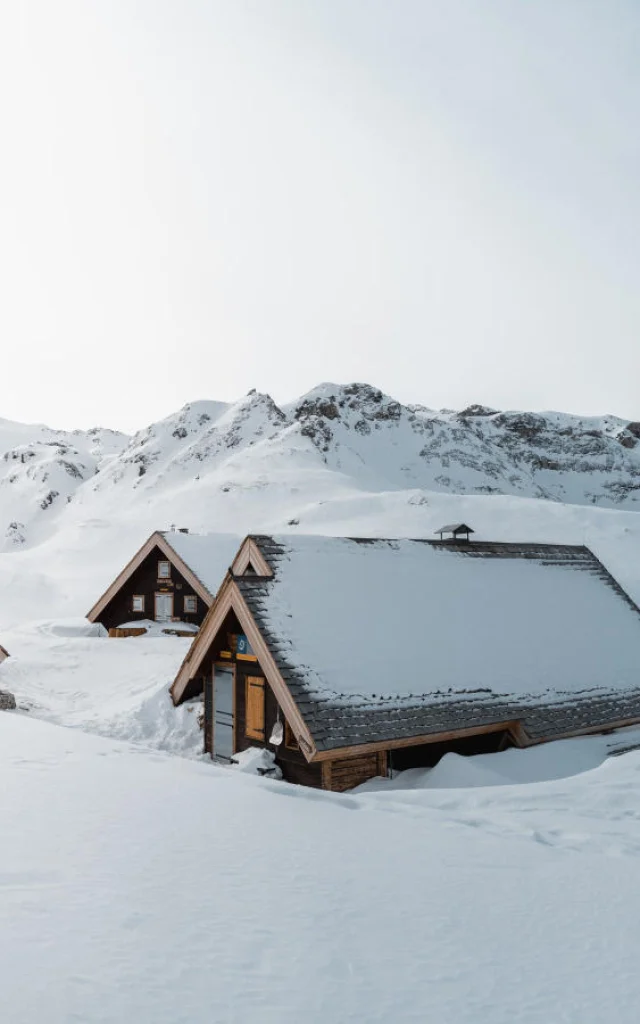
(40, 472)
(341, 459)
(334, 437)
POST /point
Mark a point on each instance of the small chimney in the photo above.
(183, 529)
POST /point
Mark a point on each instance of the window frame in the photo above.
(140, 598)
(193, 601)
(161, 575)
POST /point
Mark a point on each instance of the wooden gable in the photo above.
(144, 576)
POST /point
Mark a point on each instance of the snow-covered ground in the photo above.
(64, 671)
(136, 886)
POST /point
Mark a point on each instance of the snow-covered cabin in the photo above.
(373, 654)
(171, 580)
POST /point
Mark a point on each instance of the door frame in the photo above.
(164, 594)
(212, 683)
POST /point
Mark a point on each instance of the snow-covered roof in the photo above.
(415, 637)
(455, 528)
(208, 555)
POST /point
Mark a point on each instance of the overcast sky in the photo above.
(198, 197)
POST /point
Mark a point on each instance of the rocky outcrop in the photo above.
(7, 701)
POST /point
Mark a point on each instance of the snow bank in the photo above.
(131, 893)
(542, 763)
(154, 628)
(256, 761)
(63, 672)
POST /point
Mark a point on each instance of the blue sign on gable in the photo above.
(244, 647)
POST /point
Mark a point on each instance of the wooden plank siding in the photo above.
(346, 772)
(144, 582)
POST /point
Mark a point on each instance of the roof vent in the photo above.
(455, 531)
(183, 529)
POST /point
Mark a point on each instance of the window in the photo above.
(290, 740)
(164, 570)
(190, 604)
(254, 696)
(138, 603)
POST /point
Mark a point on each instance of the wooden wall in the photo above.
(145, 581)
(347, 772)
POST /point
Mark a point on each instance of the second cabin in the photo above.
(349, 658)
(171, 582)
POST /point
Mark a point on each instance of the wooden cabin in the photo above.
(171, 580)
(348, 658)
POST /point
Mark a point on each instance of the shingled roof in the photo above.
(379, 640)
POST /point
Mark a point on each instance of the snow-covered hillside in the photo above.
(334, 439)
(342, 459)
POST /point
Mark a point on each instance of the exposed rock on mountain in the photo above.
(349, 439)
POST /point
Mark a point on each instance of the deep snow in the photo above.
(140, 887)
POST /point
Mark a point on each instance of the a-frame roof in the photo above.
(202, 559)
(3, 653)
(377, 641)
(455, 528)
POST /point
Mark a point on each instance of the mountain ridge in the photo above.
(334, 439)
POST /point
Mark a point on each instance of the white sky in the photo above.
(198, 197)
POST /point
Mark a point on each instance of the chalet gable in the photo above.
(186, 567)
(251, 560)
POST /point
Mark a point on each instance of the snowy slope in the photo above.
(212, 462)
(40, 472)
(342, 459)
(69, 672)
(140, 887)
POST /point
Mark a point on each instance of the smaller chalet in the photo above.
(346, 657)
(171, 580)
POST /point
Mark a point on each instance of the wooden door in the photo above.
(163, 607)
